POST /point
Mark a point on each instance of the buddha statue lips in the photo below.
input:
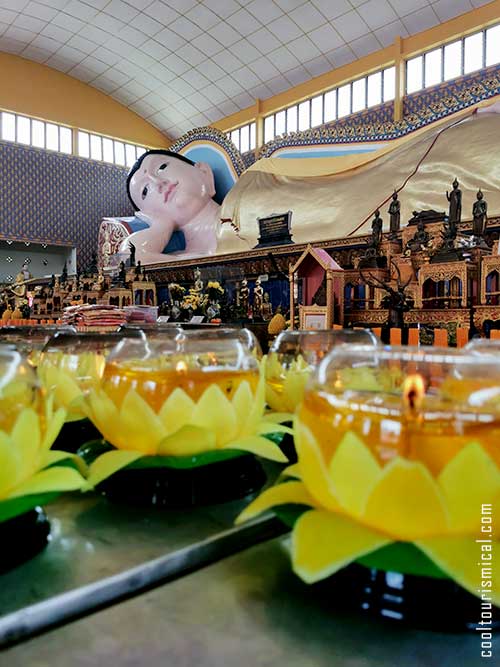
(169, 192)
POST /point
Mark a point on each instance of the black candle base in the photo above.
(287, 446)
(75, 434)
(420, 602)
(180, 487)
(23, 537)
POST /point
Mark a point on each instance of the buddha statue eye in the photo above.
(144, 192)
(163, 166)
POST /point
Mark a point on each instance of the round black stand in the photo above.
(175, 487)
(23, 537)
(417, 601)
(75, 434)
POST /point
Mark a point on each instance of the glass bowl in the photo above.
(400, 448)
(202, 399)
(293, 356)
(71, 363)
(30, 340)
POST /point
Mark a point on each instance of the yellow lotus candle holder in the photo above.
(31, 473)
(295, 354)
(398, 472)
(172, 408)
(70, 365)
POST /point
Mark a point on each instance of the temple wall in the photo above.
(48, 197)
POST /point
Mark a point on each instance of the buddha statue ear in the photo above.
(208, 177)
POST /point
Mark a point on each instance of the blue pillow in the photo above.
(177, 240)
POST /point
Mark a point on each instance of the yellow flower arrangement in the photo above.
(194, 300)
(175, 287)
(215, 285)
(360, 506)
(180, 413)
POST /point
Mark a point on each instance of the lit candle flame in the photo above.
(413, 393)
(181, 366)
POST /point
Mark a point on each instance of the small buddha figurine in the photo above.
(19, 287)
(479, 215)
(122, 274)
(198, 282)
(132, 253)
(455, 199)
(267, 309)
(244, 293)
(395, 213)
(106, 248)
(98, 285)
(420, 239)
(258, 299)
(64, 274)
(377, 229)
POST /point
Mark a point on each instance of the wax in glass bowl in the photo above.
(420, 404)
(186, 380)
(190, 361)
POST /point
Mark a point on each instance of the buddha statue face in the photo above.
(170, 189)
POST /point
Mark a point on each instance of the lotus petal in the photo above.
(278, 417)
(461, 559)
(26, 437)
(257, 407)
(103, 412)
(313, 470)
(64, 386)
(140, 428)
(55, 456)
(294, 493)
(10, 464)
(323, 543)
(470, 479)
(242, 403)
(188, 440)
(52, 479)
(215, 413)
(109, 463)
(259, 446)
(354, 471)
(176, 411)
(406, 502)
(265, 427)
(54, 423)
(292, 471)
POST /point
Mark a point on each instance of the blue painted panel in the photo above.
(326, 153)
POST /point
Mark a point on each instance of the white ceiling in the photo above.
(184, 63)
